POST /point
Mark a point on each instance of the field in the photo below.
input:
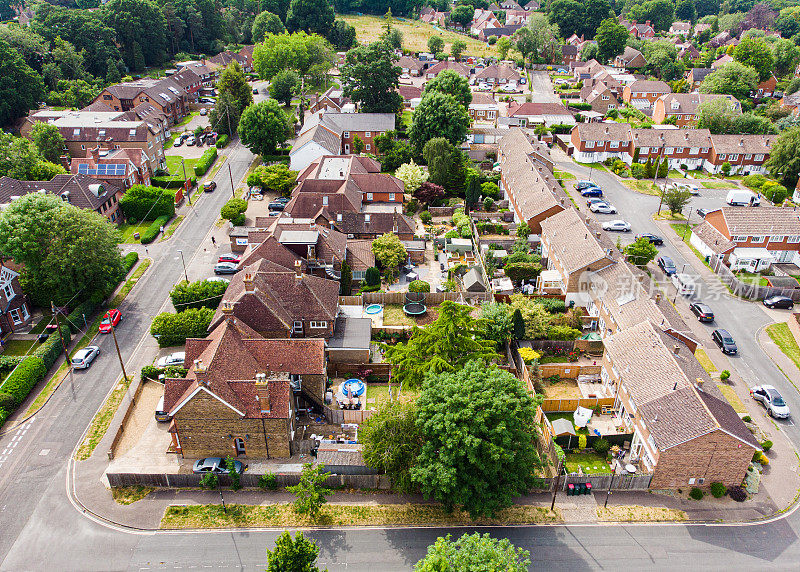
(415, 34)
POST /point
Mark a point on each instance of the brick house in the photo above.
(331, 100)
(599, 96)
(166, 94)
(766, 88)
(695, 77)
(14, 310)
(680, 29)
(596, 142)
(484, 107)
(689, 147)
(642, 93)
(359, 173)
(684, 107)
(437, 68)
(498, 74)
(638, 31)
(238, 398)
(120, 167)
(569, 54)
(532, 113)
(746, 153)
(411, 66)
(630, 59)
(684, 432)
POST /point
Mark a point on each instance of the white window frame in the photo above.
(391, 196)
(613, 144)
(760, 157)
(15, 316)
(748, 156)
(739, 238)
(368, 134)
(318, 325)
(346, 135)
(367, 147)
(644, 151)
(589, 144)
(756, 239)
(369, 196)
(8, 291)
(794, 239)
(722, 157)
(733, 157)
(668, 151)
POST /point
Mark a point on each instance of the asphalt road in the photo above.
(542, 88)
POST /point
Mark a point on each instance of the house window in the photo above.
(391, 196)
(793, 239)
(748, 157)
(756, 239)
(589, 144)
(722, 156)
(734, 157)
(612, 106)
(368, 134)
(15, 317)
(705, 149)
(359, 274)
(739, 238)
(775, 238)
(346, 135)
(325, 200)
(490, 114)
(8, 290)
(238, 443)
(759, 157)
(614, 144)
(76, 132)
(605, 98)
(644, 150)
(367, 146)
(668, 151)
(297, 326)
(369, 196)
(25, 314)
(318, 325)
(83, 147)
(679, 150)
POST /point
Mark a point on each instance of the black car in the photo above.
(651, 238)
(666, 264)
(702, 311)
(592, 192)
(276, 206)
(783, 302)
(725, 341)
(209, 186)
(703, 212)
(581, 185)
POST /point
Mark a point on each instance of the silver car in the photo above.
(771, 399)
(617, 226)
(174, 359)
(84, 358)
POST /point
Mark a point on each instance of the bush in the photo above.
(199, 294)
(776, 193)
(209, 481)
(51, 349)
(696, 493)
(718, 490)
(222, 141)
(129, 261)
(233, 208)
(7, 401)
(419, 286)
(7, 363)
(239, 220)
(738, 494)
(766, 445)
(28, 373)
(150, 372)
(204, 163)
(747, 419)
(762, 459)
(268, 481)
(562, 333)
(373, 277)
(725, 375)
(151, 232)
(638, 171)
(601, 446)
(581, 441)
(173, 329)
(236, 477)
(523, 270)
(147, 203)
(754, 181)
(528, 354)
(171, 182)
(426, 217)
(552, 305)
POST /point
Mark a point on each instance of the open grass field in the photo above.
(415, 34)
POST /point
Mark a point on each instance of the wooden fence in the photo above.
(568, 370)
(339, 416)
(749, 291)
(380, 370)
(166, 480)
(551, 345)
(569, 405)
(431, 298)
(602, 482)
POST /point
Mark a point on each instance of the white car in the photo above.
(683, 186)
(405, 76)
(218, 279)
(509, 89)
(175, 359)
(771, 399)
(602, 208)
(617, 226)
(84, 358)
(484, 87)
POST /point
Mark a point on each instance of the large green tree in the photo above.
(342, 35)
(755, 52)
(48, 140)
(474, 552)
(21, 87)
(233, 82)
(786, 54)
(462, 14)
(784, 157)
(661, 13)
(277, 178)
(392, 441)
(224, 116)
(685, 10)
(293, 555)
(66, 251)
(733, 78)
(445, 164)
(389, 251)
(452, 340)
(581, 18)
(141, 28)
(472, 457)
(370, 77)
(312, 16)
(439, 115)
(21, 159)
(283, 86)
(611, 39)
(266, 23)
(264, 126)
(450, 81)
(300, 52)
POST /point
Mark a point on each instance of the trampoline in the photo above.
(355, 387)
(373, 309)
(415, 304)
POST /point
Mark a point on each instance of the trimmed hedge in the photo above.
(173, 329)
(199, 294)
(49, 351)
(129, 261)
(20, 382)
(170, 182)
(205, 162)
(147, 203)
(152, 372)
(151, 232)
(222, 141)
(7, 363)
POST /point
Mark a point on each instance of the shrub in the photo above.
(754, 181)
(129, 261)
(233, 208)
(488, 203)
(7, 401)
(552, 305)
(738, 494)
(696, 493)
(726, 168)
(151, 232)
(747, 419)
(601, 446)
(51, 349)
(150, 372)
(171, 182)
(452, 233)
(222, 141)
(75, 319)
(528, 354)
(268, 481)
(147, 203)
(209, 481)
(173, 329)
(239, 220)
(776, 193)
(725, 375)
(199, 294)
(373, 277)
(762, 459)
(718, 490)
(523, 270)
(426, 217)
(638, 171)
(20, 381)
(419, 286)
(204, 163)
(766, 445)
(236, 478)
(581, 441)
(7, 363)
(562, 333)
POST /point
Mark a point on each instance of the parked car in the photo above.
(666, 264)
(178, 142)
(191, 140)
(225, 268)
(209, 186)
(602, 208)
(217, 466)
(218, 279)
(229, 258)
(783, 302)
(255, 91)
(276, 206)
(580, 185)
(651, 238)
(592, 192)
(686, 186)
(508, 88)
(282, 200)
(112, 318)
(771, 399)
(702, 311)
(484, 87)
(684, 284)
(742, 198)
(617, 225)
(204, 111)
(175, 359)
(725, 341)
(702, 212)
(84, 358)
(405, 76)
(592, 200)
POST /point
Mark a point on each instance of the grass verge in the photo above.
(173, 226)
(101, 420)
(732, 398)
(564, 175)
(128, 230)
(283, 515)
(17, 347)
(131, 282)
(643, 187)
(782, 336)
(666, 215)
(129, 495)
(597, 166)
(636, 513)
(705, 361)
(720, 186)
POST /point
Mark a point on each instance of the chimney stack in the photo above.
(96, 153)
(676, 349)
(200, 372)
(298, 271)
(262, 392)
(248, 282)
(227, 308)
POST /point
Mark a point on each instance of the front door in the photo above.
(239, 445)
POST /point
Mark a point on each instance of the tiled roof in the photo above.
(329, 140)
(459, 68)
(762, 221)
(713, 238)
(81, 189)
(330, 245)
(753, 144)
(532, 109)
(409, 63)
(671, 138)
(604, 132)
(618, 289)
(379, 223)
(572, 242)
(359, 254)
(483, 99)
(360, 121)
(650, 86)
(689, 102)
(499, 72)
(409, 92)
(728, 419)
(629, 54)
(272, 250)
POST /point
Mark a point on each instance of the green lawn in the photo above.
(598, 166)
(17, 347)
(590, 463)
(644, 187)
(782, 335)
(750, 278)
(407, 118)
(705, 361)
(713, 185)
(128, 231)
(565, 175)
(732, 398)
(380, 393)
(175, 168)
(680, 230)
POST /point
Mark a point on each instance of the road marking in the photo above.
(5, 452)
(790, 424)
(44, 452)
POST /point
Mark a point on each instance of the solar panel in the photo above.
(83, 169)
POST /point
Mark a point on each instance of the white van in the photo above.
(742, 198)
(684, 283)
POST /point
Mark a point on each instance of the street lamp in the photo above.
(185, 274)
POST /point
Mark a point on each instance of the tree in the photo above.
(784, 157)
(755, 52)
(717, 115)
(457, 48)
(518, 324)
(66, 251)
(346, 280)
(141, 30)
(676, 199)
(283, 86)
(342, 35)
(438, 115)
(733, 78)
(472, 189)
(611, 39)
(428, 192)
(372, 276)
(498, 322)
(48, 141)
(590, 51)
(263, 126)
(307, 55)
(312, 16)
(266, 23)
(446, 345)
(503, 45)
(786, 55)
(370, 77)
(663, 169)
(358, 145)
(570, 17)
(706, 7)
(462, 15)
(225, 115)
(525, 44)
(473, 552)
(640, 252)
(412, 176)
(298, 555)
(659, 54)
(546, 40)
(232, 81)
(445, 163)
(21, 88)
(471, 456)
(309, 492)
(392, 442)
(389, 251)
(686, 11)
(435, 44)
(450, 82)
(661, 13)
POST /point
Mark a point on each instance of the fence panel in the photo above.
(604, 481)
(247, 480)
(351, 300)
(749, 291)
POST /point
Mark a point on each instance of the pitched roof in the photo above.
(84, 192)
(457, 67)
(359, 121)
(498, 71)
(630, 54)
(617, 288)
(671, 138)
(604, 131)
(572, 242)
(761, 221)
(409, 92)
(748, 144)
(650, 86)
(713, 238)
(409, 63)
(375, 223)
(689, 102)
(532, 109)
(359, 254)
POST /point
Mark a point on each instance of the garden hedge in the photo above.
(152, 372)
(222, 141)
(151, 232)
(147, 203)
(49, 351)
(130, 260)
(7, 363)
(199, 294)
(170, 182)
(232, 209)
(205, 162)
(20, 381)
(173, 329)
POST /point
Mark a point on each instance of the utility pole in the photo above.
(555, 487)
(189, 194)
(119, 355)
(185, 274)
(230, 174)
(63, 344)
(655, 179)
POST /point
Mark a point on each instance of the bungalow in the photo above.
(683, 107)
(499, 32)
(484, 107)
(529, 114)
(680, 28)
(630, 59)
(642, 94)
(436, 69)
(498, 74)
(411, 66)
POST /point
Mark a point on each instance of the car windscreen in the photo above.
(728, 340)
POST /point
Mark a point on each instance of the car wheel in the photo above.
(769, 412)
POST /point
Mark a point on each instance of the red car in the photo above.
(230, 258)
(112, 317)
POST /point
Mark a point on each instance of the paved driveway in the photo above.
(542, 88)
